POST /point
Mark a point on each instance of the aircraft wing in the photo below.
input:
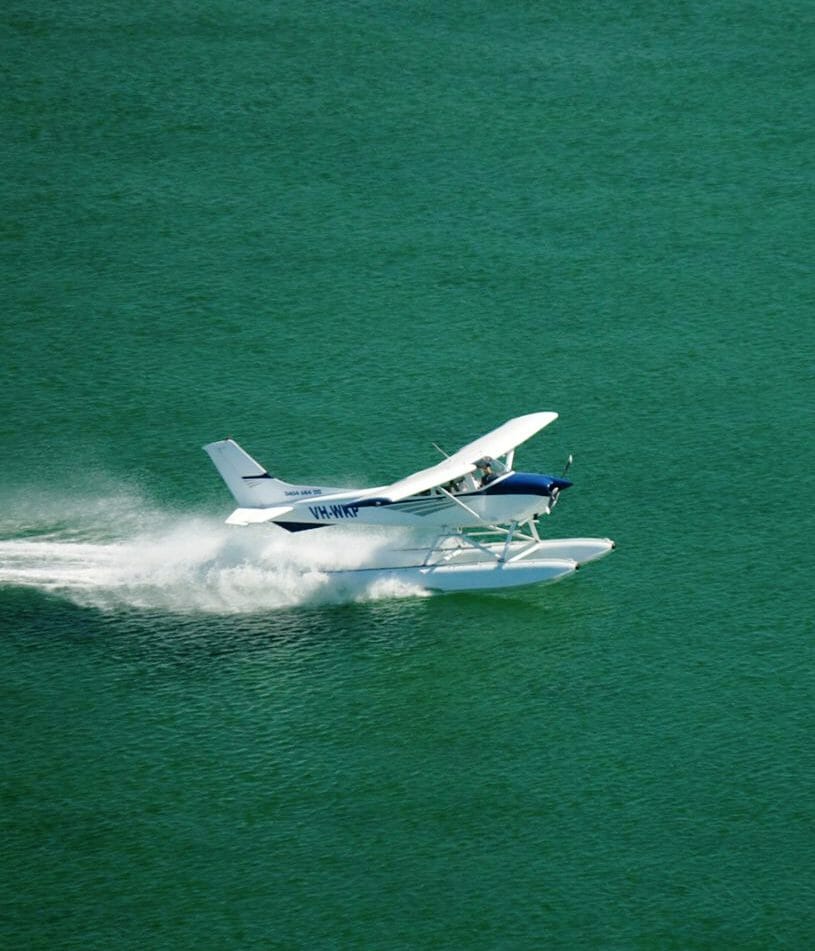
(495, 443)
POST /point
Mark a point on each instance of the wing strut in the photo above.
(459, 502)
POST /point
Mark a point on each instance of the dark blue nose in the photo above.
(555, 483)
(528, 483)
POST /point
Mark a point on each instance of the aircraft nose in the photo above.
(528, 483)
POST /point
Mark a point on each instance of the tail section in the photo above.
(247, 480)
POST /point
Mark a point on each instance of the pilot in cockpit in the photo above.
(487, 473)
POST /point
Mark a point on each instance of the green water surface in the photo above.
(339, 232)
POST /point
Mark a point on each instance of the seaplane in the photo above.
(475, 519)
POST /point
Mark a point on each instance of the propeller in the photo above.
(554, 493)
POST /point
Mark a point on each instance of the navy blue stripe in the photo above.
(526, 483)
(302, 526)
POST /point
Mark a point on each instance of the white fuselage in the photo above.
(513, 497)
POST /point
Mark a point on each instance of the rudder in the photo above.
(247, 480)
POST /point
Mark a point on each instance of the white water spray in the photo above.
(118, 552)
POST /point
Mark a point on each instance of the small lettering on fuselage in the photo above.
(304, 492)
(333, 511)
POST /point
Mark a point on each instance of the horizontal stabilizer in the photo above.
(256, 516)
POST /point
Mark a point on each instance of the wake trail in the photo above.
(140, 557)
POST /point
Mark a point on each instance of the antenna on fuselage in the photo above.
(435, 445)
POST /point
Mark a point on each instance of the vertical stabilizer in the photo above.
(247, 480)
